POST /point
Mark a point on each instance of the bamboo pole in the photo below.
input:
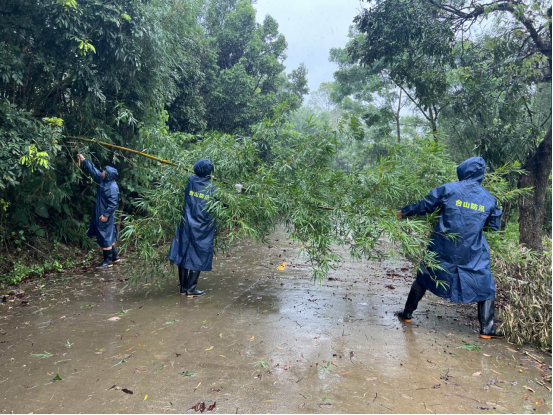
(125, 149)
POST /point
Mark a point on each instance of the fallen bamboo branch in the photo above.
(125, 149)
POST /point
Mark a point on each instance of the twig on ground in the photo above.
(533, 357)
(374, 403)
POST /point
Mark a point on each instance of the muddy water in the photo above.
(259, 341)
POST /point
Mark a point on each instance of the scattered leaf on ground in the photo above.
(476, 374)
(286, 367)
(281, 266)
(530, 389)
(540, 402)
(334, 364)
(122, 361)
(406, 396)
(262, 363)
(303, 404)
(487, 355)
(280, 347)
(114, 318)
(130, 392)
(526, 398)
(370, 379)
(146, 397)
(210, 348)
(198, 407)
(197, 386)
(42, 355)
(212, 407)
(251, 338)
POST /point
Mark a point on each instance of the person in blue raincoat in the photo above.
(466, 208)
(102, 225)
(192, 247)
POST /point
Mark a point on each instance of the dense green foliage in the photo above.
(354, 208)
(115, 71)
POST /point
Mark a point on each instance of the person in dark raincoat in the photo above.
(465, 209)
(102, 224)
(192, 247)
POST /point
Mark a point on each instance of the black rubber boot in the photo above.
(415, 295)
(107, 262)
(193, 277)
(485, 317)
(115, 255)
(183, 280)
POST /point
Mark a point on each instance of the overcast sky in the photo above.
(311, 28)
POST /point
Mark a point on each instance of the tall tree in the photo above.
(359, 88)
(243, 75)
(403, 42)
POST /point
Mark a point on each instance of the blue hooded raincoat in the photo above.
(107, 198)
(465, 207)
(192, 247)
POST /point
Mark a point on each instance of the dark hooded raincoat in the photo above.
(465, 209)
(192, 247)
(107, 198)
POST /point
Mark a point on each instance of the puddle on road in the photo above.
(259, 341)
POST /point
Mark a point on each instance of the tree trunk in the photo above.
(531, 207)
(432, 120)
(398, 118)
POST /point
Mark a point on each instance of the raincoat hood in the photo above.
(472, 169)
(111, 174)
(203, 168)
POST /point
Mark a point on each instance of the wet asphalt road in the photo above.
(260, 341)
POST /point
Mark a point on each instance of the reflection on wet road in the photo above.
(261, 340)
